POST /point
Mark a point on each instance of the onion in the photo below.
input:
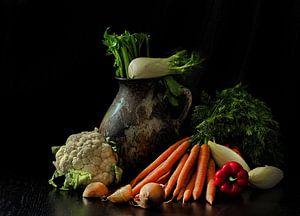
(95, 189)
(265, 177)
(121, 195)
(151, 195)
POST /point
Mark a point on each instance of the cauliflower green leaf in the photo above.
(86, 157)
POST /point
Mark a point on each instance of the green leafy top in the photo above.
(236, 117)
(126, 47)
(179, 63)
(182, 62)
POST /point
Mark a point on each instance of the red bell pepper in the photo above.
(231, 178)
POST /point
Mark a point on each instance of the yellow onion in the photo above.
(151, 195)
(95, 189)
(121, 195)
(265, 177)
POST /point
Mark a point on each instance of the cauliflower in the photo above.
(86, 157)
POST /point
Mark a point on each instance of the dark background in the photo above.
(56, 79)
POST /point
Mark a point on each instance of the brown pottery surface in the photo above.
(140, 122)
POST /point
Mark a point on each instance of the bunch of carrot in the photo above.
(184, 170)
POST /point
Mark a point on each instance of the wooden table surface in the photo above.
(33, 196)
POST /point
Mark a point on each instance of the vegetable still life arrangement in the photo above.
(233, 144)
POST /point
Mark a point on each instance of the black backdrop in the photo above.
(57, 80)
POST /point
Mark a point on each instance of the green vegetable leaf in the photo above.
(181, 62)
(124, 48)
(55, 175)
(54, 149)
(235, 116)
(75, 178)
(173, 90)
(173, 86)
(171, 98)
(118, 173)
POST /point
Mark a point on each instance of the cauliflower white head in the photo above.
(86, 157)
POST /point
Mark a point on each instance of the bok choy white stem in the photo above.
(166, 68)
(179, 63)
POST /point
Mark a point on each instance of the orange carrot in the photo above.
(162, 157)
(211, 187)
(182, 186)
(189, 188)
(167, 166)
(155, 170)
(164, 178)
(180, 194)
(187, 168)
(173, 179)
(201, 170)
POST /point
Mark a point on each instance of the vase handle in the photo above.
(188, 103)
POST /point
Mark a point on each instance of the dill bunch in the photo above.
(233, 116)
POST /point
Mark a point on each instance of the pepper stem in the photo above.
(232, 179)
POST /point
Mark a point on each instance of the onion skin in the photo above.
(95, 189)
(121, 195)
(265, 177)
(151, 195)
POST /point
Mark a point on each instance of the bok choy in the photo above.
(133, 61)
(178, 63)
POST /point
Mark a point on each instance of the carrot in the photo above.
(155, 170)
(189, 188)
(182, 186)
(181, 191)
(164, 178)
(162, 157)
(187, 168)
(180, 194)
(173, 179)
(201, 170)
(211, 187)
(167, 166)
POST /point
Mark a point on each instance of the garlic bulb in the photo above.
(265, 177)
(223, 154)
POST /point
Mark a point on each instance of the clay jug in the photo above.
(140, 122)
